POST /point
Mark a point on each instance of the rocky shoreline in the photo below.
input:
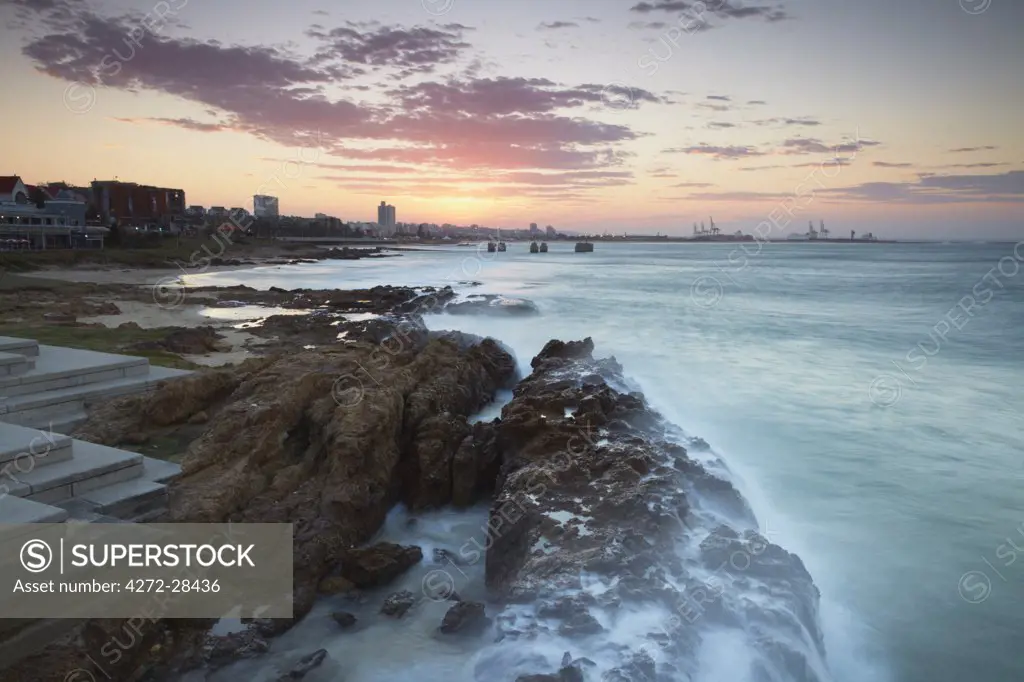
(613, 543)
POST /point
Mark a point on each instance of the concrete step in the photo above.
(160, 470)
(92, 466)
(9, 344)
(12, 364)
(17, 510)
(57, 368)
(67, 423)
(38, 409)
(22, 449)
(127, 500)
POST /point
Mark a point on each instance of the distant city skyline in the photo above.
(901, 119)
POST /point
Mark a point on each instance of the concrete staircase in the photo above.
(51, 387)
(49, 477)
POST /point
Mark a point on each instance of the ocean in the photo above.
(868, 398)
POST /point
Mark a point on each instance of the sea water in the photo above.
(868, 398)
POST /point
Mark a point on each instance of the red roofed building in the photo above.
(13, 190)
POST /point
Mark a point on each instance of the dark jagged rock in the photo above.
(222, 650)
(344, 619)
(475, 465)
(378, 565)
(318, 439)
(465, 617)
(398, 604)
(187, 341)
(569, 673)
(304, 666)
(593, 482)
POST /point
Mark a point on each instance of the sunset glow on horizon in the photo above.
(590, 115)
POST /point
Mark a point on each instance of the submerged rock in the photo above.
(398, 604)
(465, 617)
(304, 666)
(344, 619)
(489, 304)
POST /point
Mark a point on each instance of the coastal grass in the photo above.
(102, 339)
(170, 446)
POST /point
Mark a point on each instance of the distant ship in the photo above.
(543, 247)
(584, 247)
(491, 247)
(501, 246)
(534, 248)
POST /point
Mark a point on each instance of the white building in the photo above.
(386, 219)
(264, 206)
(13, 190)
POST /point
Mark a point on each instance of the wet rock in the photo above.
(428, 302)
(287, 446)
(59, 318)
(465, 617)
(271, 627)
(378, 565)
(398, 604)
(187, 341)
(96, 308)
(134, 326)
(199, 418)
(566, 674)
(564, 350)
(475, 465)
(492, 305)
(609, 492)
(335, 585)
(304, 666)
(344, 619)
(222, 650)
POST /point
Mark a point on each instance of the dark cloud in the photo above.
(977, 165)
(553, 25)
(837, 161)
(654, 25)
(940, 189)
(418, 49)
(757, 102)
(727, 152)
(723, 9)
(720, 98)
(187, 123)
(713, 107)
(721, 124)
(784, 122)
(509, 96)
(274, 94)
(963, 150)
(801, 122)
(815, 146)
(886, 164)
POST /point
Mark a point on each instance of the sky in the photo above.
(899, 118)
